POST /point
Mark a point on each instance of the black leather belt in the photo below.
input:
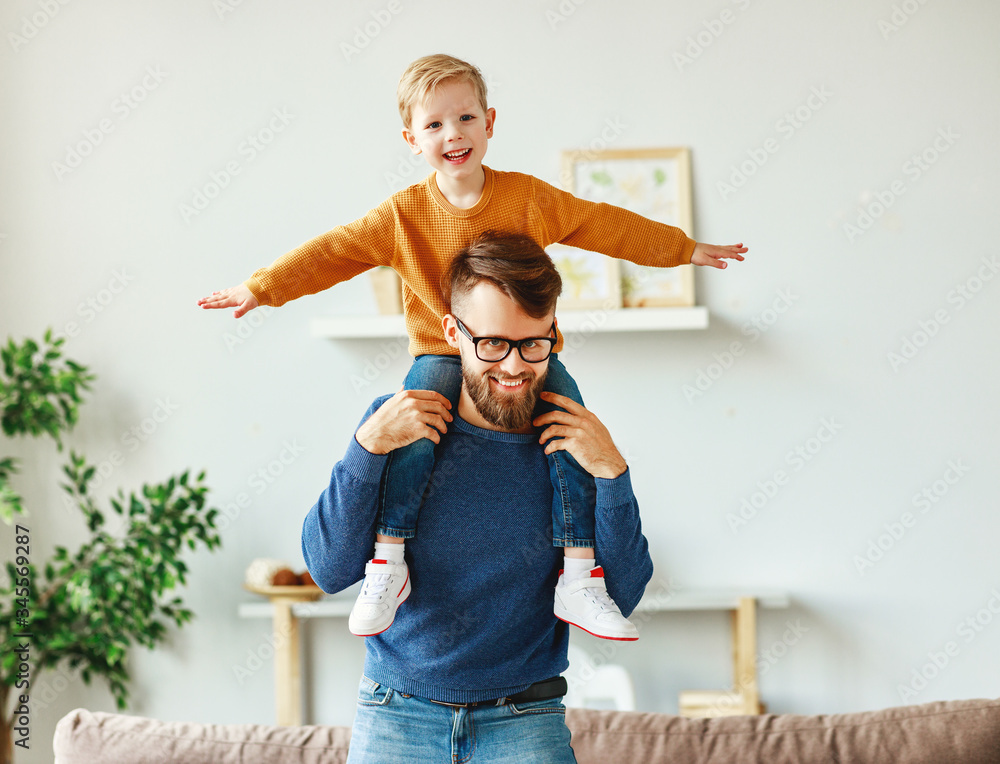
(547, 689)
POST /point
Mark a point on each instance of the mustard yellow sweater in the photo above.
(417, 231)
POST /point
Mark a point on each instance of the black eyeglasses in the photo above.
(495, 349)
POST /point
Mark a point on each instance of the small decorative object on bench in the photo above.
(275, 578)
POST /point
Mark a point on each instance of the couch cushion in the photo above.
(83, 737)
(966, 731)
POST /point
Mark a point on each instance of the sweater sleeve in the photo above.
(610, 230)
(337, 255)
(620, 547)
(339, 531)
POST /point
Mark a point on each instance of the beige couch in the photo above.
(954, 732)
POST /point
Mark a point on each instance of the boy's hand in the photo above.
(583, 435)
(710, 254)
(238, 297)
(405, 418)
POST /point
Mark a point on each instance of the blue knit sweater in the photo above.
(478, 623)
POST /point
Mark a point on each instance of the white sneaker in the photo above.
(386, 587)
(586, 603)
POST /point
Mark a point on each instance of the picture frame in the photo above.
(655, 183)
(590, 279)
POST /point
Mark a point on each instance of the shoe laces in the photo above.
(598, 595)
(374, 588)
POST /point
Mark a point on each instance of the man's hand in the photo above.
(710, 254)
(583, 435)
(405, 418)
(238, 297)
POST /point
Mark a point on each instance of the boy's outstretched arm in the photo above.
(239, 297)
(710, 254)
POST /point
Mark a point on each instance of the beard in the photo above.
(506, 411)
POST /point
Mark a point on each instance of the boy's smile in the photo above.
(451, 130)
(458, 156)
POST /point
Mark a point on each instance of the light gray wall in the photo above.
(108, 247)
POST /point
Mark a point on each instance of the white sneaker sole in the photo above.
(372, 631)
(566, 617)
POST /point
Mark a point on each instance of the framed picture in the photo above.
(590, 279)
(655, 183)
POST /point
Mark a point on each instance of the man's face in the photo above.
(504, 394)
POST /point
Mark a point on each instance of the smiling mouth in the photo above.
(457, 156)
(510, 384)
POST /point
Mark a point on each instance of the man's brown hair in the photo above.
(423, 76)
(514, 264)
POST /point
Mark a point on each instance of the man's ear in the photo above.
(411, 141)
(450, 330)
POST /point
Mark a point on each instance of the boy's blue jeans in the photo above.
(409, 469)
(392, 727)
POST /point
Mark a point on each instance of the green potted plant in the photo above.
(84, 609)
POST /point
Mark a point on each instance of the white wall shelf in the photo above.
(570, 322)
(339, 606)
(286, 612)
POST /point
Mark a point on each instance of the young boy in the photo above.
(442, 102)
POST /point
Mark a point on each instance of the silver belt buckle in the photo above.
(445, 703)
(498, 702)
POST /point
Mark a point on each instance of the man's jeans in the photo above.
(392, 728)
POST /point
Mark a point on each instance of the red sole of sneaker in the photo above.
(599, 636)
(376, 633)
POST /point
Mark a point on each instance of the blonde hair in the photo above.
(423, 76)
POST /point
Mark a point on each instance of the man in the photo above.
(470, 669)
